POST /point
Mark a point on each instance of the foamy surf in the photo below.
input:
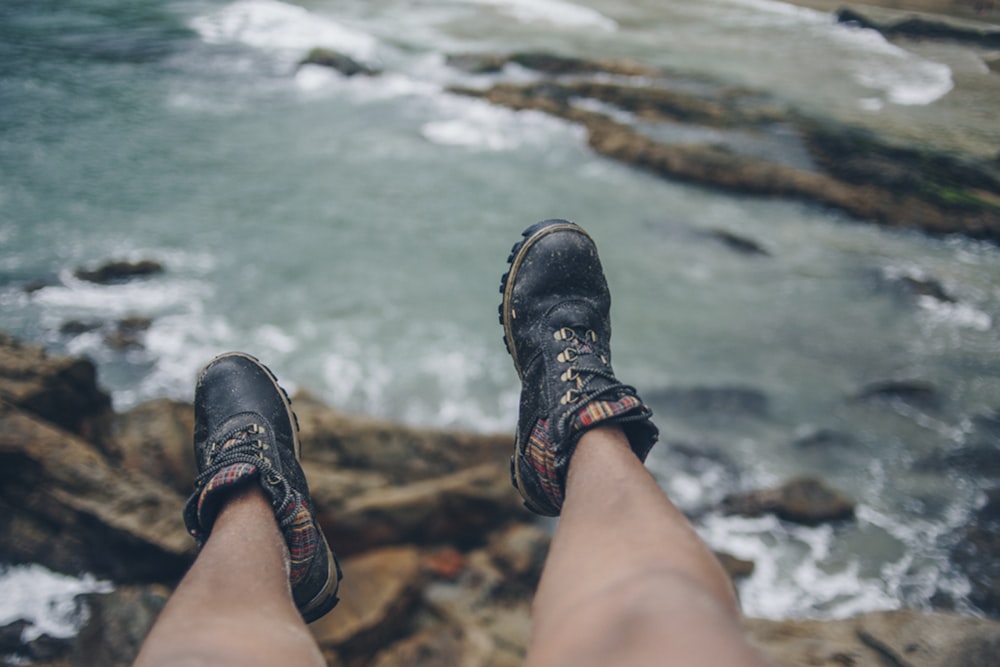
(281, 27)
(45, 599)
(551, 12)
(894, 75)
(478, 125)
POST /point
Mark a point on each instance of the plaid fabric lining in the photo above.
(541, 454)
(301, 537)
(542, 458)
(598, 411)
(226, 477)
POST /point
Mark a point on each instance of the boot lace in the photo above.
(587, 365)
(241, 445)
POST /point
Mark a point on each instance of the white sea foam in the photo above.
(45, 599)
(279, 26)
(791, 577)
(79, 298)
(764, 13)
(316, 81)
(902, 77)
(476, 124)
(959, 314)
(554, 12)
(899, 76)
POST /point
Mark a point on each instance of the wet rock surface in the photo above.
(59, 390)
(440, 559)
(338, 61)
(117, 272)
(978, 554)
(631, 113)
(803, 500)
(923, 26)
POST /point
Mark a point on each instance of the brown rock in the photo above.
(736, 568)
(450, 507)
(439, 645)
(548, 63)
(445, 563)
(377, 596)
(492, 617)
(904, 637)
(402, 454)
(62, 504)
(520, 550)
(155, 439)
(117, 624)
(61, 390)
(803, 500)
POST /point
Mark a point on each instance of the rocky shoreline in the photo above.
(634, 115)
(440, 558)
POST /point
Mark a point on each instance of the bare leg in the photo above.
(627, 581)
(234, 606)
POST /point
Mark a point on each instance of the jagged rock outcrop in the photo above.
(59, 390)
(923, 26)
(340, 62)
(116, 272)
(848, 169)
(905, 638)
(802, 500)
(64, 505)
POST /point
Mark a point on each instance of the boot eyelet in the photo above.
(568, 356)
(570, 397)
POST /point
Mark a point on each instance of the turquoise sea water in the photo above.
(351, 232)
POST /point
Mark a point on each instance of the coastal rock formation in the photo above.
(803, 500)
(112, 273)
(64, 505)
(632, 118)
(62, 391)
(923, 26)
(903, 637)
(338, 61)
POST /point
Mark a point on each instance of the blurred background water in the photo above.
(351, 232)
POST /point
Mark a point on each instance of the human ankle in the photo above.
(243, 500)
(604, 436)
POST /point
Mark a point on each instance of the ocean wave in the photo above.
(958, 314)
(902, 77)
(279, 26)
(475, 124)
(45, 599)
(898, 76)
(774, 13)
(793, 576)
(554, 12)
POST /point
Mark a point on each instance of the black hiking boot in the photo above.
(246, 433)
(556, 319)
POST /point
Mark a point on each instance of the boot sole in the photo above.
(531, 235)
